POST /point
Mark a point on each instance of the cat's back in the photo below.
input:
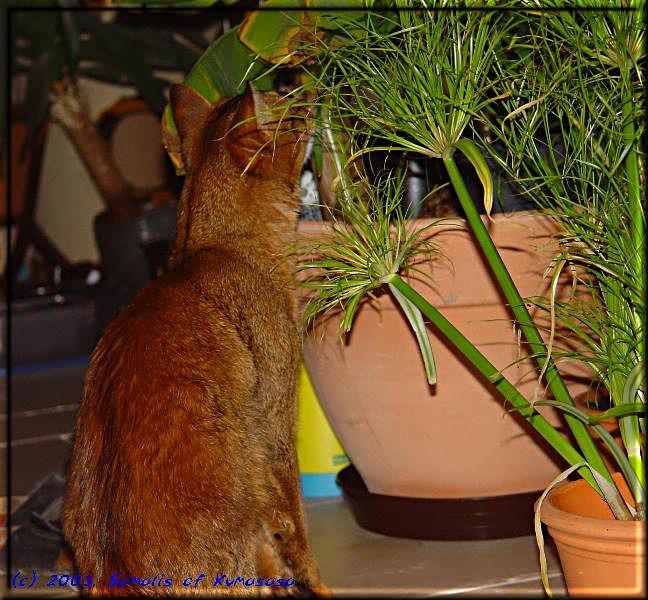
(167, 399)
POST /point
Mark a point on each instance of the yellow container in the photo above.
(319, 452)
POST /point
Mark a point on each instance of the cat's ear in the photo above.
(190, 110)
(253, 127)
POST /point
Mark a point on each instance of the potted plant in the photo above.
(56, 52)
(571, 140)
(524, 465)
(392, 71)
(591, 182)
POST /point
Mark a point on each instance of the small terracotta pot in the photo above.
(600, 556)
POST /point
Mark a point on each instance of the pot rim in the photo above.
(557, 518)
(451, 223)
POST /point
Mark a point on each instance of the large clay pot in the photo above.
(455, 440)
(600, 556)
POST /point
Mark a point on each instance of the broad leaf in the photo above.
(275, 34)
(118, 50)
(225, 67)
(221, 72)
(37, 98)
(272, 34)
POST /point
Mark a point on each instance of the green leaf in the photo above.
(37, 96)
(70, 39)
(221, 72)
(608, 440)
(270, 34)
(118, 51)
(631, 434)
(632, 408)
(469, 149)
(225, 68)
(274, 34)
(39, 28)
(415, 318)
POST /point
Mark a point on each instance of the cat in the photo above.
(184, 459)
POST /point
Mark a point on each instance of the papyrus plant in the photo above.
(429, 83)
(568, 133)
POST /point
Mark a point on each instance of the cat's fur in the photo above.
(184, 458)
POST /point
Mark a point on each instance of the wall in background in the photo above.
(67, 200)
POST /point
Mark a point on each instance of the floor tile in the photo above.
(47, 388)
(32, 462)
(359, 562)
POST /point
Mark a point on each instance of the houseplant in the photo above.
(56, 52)
(512, 463)
(571, 140)
(432, 110)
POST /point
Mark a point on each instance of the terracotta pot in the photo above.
(455, 440)
(600, 556)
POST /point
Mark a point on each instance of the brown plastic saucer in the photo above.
(485, 518)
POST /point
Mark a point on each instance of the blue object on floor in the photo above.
(46, 366)
(318, 485)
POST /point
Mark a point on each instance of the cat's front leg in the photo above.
(288, 526)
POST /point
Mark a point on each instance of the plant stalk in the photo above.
(552, 376)
(629, 425)
(484, 366)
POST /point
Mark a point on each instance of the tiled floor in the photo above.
(352, 561)
(43, 409)
(355, 561)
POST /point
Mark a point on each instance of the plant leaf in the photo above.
(631, 434)
(274, 34)
(70, 38)
(138, 72)
(633, 408)
(270, 34)
(537, 523)
(221, 72)
(610, 443)
(415, 318)
(470, 150)
(37, 97)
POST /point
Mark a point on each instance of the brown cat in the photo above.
(184, 460)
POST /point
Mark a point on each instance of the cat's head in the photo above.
(256, 132)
